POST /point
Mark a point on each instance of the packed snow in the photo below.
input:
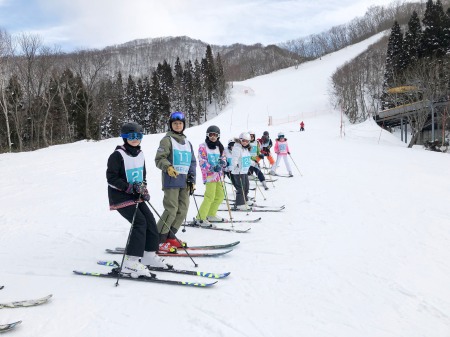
(362, 248)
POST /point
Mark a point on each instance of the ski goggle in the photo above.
(133, 135)
(177, 116)
(281, 136)
(213, 134)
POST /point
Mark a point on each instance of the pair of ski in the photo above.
(20, 304)
(114, 273)
(257, 208)
(194, 249)
(197, 224)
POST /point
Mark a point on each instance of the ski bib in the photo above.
(213, 156)
(282, 148)
(181, 156)
(254, 149)
(134, 166)
(246, 162)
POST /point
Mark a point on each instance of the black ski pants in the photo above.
(258, 173)
(144, 235)
(240, 182)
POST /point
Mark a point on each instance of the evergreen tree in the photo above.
(131, 100)
(433, 42)
(197, 92)
(210, 74)
(177, 92)
(188, 90)
(145, 105)
(394, 64)
(157, 118)
(412, 40)
(221, 83)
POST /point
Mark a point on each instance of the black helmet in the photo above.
(177, 116)
(130, 128)
(266, 133)
(213, 129)
(131, 131)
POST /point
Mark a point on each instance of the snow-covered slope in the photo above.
(362, 248)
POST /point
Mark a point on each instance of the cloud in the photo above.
(98, 23)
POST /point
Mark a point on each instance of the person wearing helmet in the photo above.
(127, 190)
(265, 144)
(255, 153)
(240, 163)
(212, 161)
(228, 154)
(282, 150)
(176, 160)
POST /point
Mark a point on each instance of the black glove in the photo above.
(261, 156)
(191, 187)
(217, 168)
(289, 153)
(190, 178)
(223, 163)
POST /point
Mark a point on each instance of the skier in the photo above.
(212, 161)
(302, 126)
(282, 151)
(266, 144)
(176, 160)
(126, 176)
(255, 154)
(229, 154)
(240, 163)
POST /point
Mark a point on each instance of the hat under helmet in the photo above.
(213, 129)
(177, 116)
(244, 136)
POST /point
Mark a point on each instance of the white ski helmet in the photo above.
(280, 135)
(244, 136)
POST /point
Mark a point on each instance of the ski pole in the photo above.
(128, 241)
(198, 210)
(260, 190)
(264, 165)
(165, 224)
(295, 165)
(228, 202)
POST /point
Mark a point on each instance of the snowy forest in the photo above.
(49, 98)
(411, 64)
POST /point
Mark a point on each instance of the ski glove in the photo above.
(139, 188)
(261, 156)
(146, 195)
(223, 163)
(191, 187)
(172, 172)
(289, 153)
(135, 187)
(217, 168)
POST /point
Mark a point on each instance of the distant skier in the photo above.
(176, 160)
(212, 161)
(126, 176)
(282, 150)
(302, 126)
(266, 144)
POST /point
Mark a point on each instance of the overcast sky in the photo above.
(98, 23)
